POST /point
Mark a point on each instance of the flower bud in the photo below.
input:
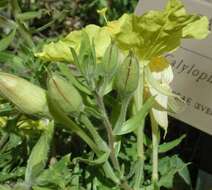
(29, 98)
(65, 95)
(110, 60)
(127, 76)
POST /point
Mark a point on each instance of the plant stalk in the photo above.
(139, 173)
(102, 145)
(109, 130)
(122, 116)
(72, 127)
(111, 141)
(155, 140)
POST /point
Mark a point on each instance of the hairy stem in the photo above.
(102, 145)
(109, 130)
(155, 140)
(111, 141)
(139, 173)
(122, 116)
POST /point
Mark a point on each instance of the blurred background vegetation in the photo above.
(26, 24)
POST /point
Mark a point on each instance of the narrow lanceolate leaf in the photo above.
(29, 98)
(127, 78)
(133, 123)
(67, 72)
(65, 95)
(6, 41)
(169, 167)
(100, 160)
(4, 22)
(29, 15)
(39, 155)
(58, 174)
(87, 57)
(165, 147)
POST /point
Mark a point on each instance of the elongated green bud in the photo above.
(127, 77)
(64, 95)
(110, 60)
(28, 97)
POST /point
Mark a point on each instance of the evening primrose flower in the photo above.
(60, 50)
(161, 72)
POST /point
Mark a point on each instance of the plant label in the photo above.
(192, 66)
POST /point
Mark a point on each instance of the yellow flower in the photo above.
(158, 64)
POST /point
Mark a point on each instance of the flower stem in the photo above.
(139, 173)
(155, 140)
(122, 116)
(109, 130)
(102, 145)
(111, 141)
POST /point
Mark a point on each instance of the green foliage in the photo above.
(168, 167)
(39, 155)
(75, 116)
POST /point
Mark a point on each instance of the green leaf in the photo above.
(184, 174)
(68, 73)
(60, 15)
(58, 174)
(12, 62)
(6, 41)
(69, 125)
(39, 155)
(165, 147)
(87, 57)
(133, 123)
(168, 168)
(12, 175)
(100, 160)
(29, 15)
(6, 23)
